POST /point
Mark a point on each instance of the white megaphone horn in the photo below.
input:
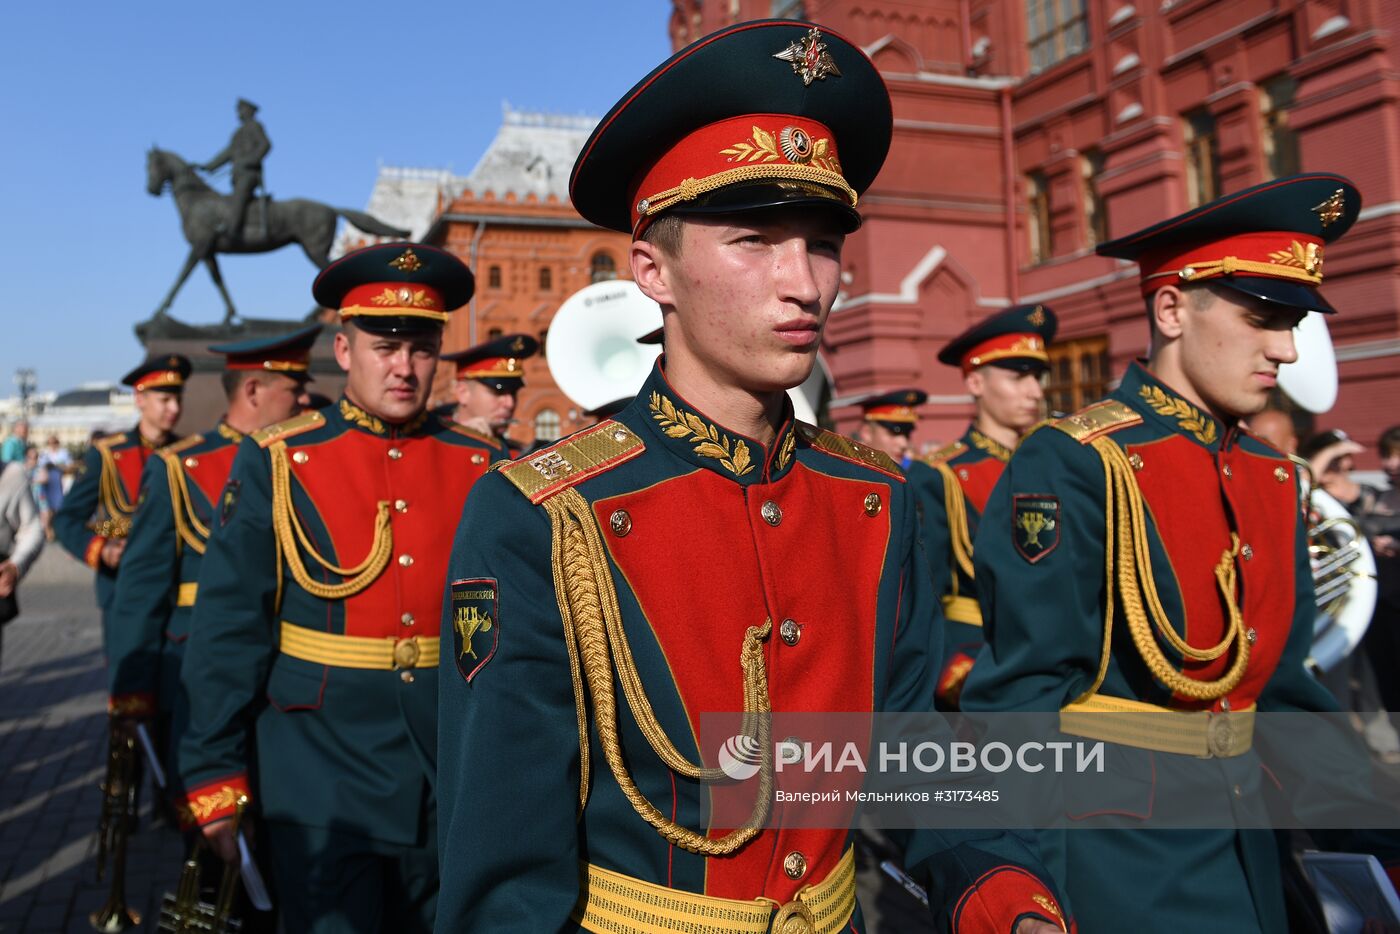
(1311, 380)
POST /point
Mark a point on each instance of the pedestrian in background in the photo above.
(21, 535)
(12, 449)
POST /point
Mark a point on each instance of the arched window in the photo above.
(547, 425)
(602, 268)
(546, 279)
(493, 277)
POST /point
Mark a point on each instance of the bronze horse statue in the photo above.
(268, 225)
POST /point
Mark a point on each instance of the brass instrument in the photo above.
(1344, 574)
(113, 527)
(185, 911)
(114, 829)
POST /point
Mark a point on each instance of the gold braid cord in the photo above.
(187, 525)
(593, 622)
(955, 504)
(289, 534)
(1126, 551)
(110, 491)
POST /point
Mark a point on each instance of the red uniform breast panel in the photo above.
(130, 462)
(211, 470)
(978, 479)
(425, 486)
(734, 570)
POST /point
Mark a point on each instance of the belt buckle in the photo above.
(795, 917)
(406, 652)
(1220, 736)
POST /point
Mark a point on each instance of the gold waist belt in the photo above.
(385, 654)
(619, 904)
(962, 610)
(1147, 726)
(186, 594)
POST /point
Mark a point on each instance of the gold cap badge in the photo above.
(1331, 209)
(407, 261)
(809, 58)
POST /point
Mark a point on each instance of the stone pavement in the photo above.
(52, 758)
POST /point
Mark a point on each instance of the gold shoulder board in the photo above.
(569, 462)
(945, 453)
(846, 449)
(1097, 420)
(464, 430)
(170, 450)
(296, 425)
(107, 442)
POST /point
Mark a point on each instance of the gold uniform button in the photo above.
(395, 454)
(407, 619)
(1239, 792)
(401, 505)
(406, 677)
(790, 632)
(1251, 636)
(872, 504)
(771, 513)
(1135, 460)
(962, 475)
(405, 560)
(300, 457)
(1280, 474)
(191, 462)
(1247, 552)
(795, 865)
(1228, 472)
(620, 434)
(620, 523)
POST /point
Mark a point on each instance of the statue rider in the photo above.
(245, 152)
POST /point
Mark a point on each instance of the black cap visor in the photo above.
(404, 326)
(772, 193)
(1278, 291)
(1021, 365)
(896, 428)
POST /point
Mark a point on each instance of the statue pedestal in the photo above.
(204, 394)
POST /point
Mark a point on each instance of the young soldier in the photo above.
(489, 376)
(1207, 605)
(317, 598)
(265, 382)
(96, 514)
(1003, 359)
(700, 546)
(888, 421)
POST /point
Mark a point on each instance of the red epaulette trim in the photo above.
(214, 800)
(1001, 899)
(135, 704)
(92, 555)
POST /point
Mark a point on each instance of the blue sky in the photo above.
(343, 87)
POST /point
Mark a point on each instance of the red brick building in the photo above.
(1028, 130)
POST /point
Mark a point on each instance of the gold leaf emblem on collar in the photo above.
(1187, 415)
(993, 447)
(353, 413)
(709, 442)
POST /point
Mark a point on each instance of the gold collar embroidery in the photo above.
(993, 447)
(229, 433)
(1188, 417)
(353, 413)
(677, 423)
(785, 449)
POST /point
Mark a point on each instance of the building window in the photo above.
(1055, 30)
(1095, 209)
(547, 425)
(494, 333)
(787, 9)
(1276, 99)
(546, 279)
(1202, 158)
(544, 335)
(602, 268)
(493, 277)
(1038, 206)
(1078, 374)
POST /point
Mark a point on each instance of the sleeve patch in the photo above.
(1035, 525)
(476, 624)
(227, 501)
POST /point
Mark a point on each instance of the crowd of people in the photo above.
(438, 684)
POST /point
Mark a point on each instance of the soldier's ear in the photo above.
(1168, 313)
(651, 267)
(976, 383)
(342, 348)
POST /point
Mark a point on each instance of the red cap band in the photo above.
(377, 299)
(1004, 347)
(159, 379)
(892, 413)
(492, 367)
(1267, 254)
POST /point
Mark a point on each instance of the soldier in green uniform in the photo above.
(888, 420)
(265, 383)
(489, 377)
(93, 522)
(700, 550)
(1003, 360)
(1148, 554)
(311, 667)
